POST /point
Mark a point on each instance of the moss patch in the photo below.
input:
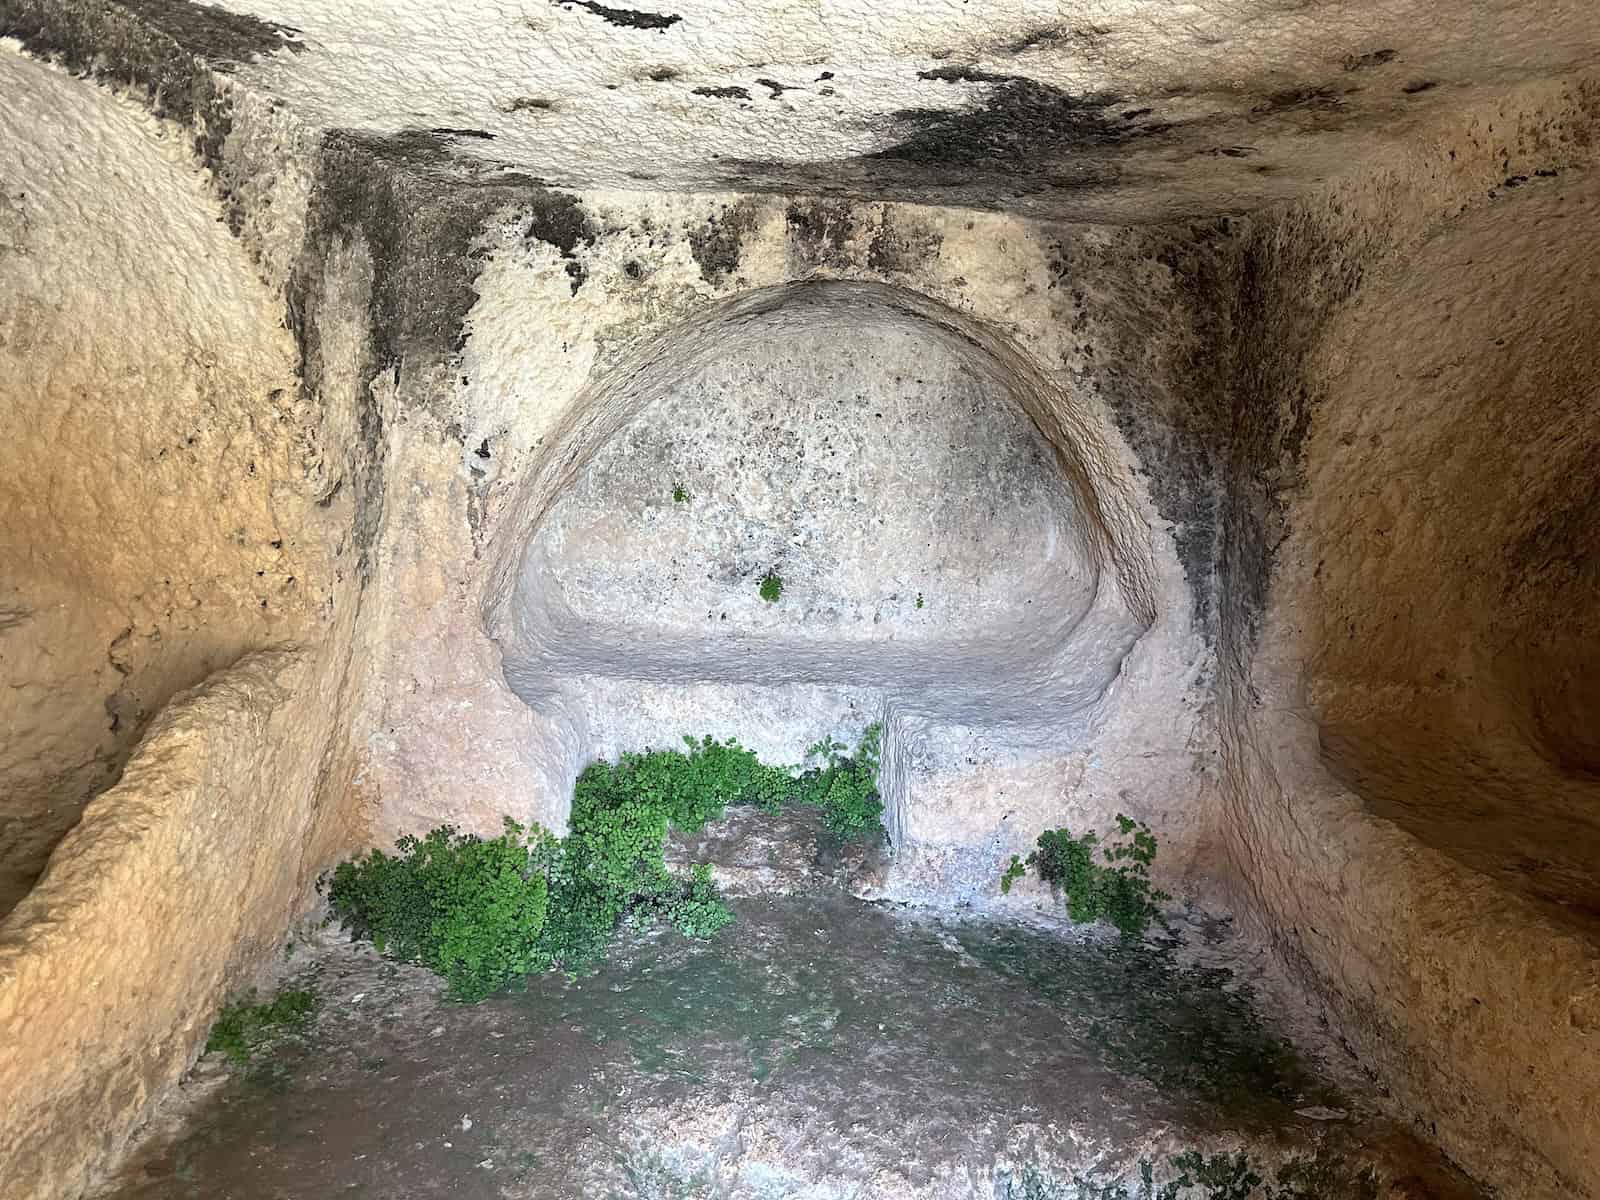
(246, 1025)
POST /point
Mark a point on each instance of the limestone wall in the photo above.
(157, 903)
(1407, 607)
(169, 787)
(1327, 464)
(556, 361)
(150, 528)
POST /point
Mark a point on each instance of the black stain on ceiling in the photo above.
(1419, 85)
(531, 104)
(479, 134)
(663, 74)
(1019, 124)
(166, 49)
(222, 38)
(723, 93)
(1037, 37)
(1369, 60)
(1088, 37)
(627, 18)
(777, 89)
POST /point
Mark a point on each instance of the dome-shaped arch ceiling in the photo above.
(950, 549)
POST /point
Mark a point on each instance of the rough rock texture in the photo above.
(1401, 772)
(498, 443)
(150, 531)
(158, 528)
(170, 885)
(943, 567)
(816, 1049)
(1327, 464)
(1054, 108)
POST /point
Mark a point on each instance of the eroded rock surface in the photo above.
(315, 353)
(815, 1048)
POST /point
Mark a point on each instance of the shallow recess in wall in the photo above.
(912, 486)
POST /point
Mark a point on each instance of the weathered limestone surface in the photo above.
(1409, 805)
(1057, 109)
(112, 968)
(867, 450)
(151, 529)
(1320, 473)
(161, 551)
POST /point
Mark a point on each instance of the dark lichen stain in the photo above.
(1038, 37)
(531, 104)
(777, 89)
(1418, 86)
(1291, 99)
(223, 39)
(1087, 40)
(627, 18)
(1021, 125)
(819, 231)
(558, 220)
(166, 49)
(1293, 275)
(1178, 311)
(663, 74)
(478, 134)
(420, 213)
(903, 245)
(716, 245)
(1369, 60)
(1232, 151)
(723, 93)
(1219, 440)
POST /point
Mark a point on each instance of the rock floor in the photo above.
(820, 1048)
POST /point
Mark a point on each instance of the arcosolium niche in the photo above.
(946, 567)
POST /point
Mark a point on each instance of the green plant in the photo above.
(1120, 893)
(1012, 873)
(470, 908)
(771, 587)
(485, 913)
(243, 1026)
(845, 786)
(680, 494)
(699, 912)
(919, 599)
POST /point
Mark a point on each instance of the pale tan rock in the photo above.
(1329, 465)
